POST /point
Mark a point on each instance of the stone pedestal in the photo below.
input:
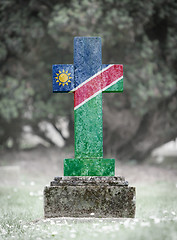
(89, 197)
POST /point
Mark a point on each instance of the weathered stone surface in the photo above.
(84, 181)
(88, 116)
(89, 197)
(88, 78)
(63, 78)
(89, 167)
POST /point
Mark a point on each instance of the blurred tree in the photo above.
(141, 35)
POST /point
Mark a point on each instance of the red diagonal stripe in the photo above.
(111, 74)
(97, 84)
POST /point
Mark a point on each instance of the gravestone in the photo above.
(88, 187)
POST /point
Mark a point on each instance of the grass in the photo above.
(21, 216)
(21, 202)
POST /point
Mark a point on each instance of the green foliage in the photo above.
(36, 34)
(14, 98)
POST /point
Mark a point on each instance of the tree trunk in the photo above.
(156, 127)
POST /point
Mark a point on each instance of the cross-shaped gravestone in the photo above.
(88, 78)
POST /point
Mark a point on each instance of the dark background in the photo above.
(141, 35)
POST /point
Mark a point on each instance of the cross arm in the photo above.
(63, 78)
(112, 78)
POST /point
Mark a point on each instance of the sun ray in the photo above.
(59, 72)
(69, 74)
(67, 71)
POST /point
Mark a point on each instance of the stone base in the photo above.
(89, 167)
(106, 197)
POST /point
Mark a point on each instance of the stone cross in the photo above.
(88, 78)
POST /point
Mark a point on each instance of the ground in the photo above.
(23, 176)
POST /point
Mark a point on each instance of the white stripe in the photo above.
(95, 94)
(86, 100)
(112, 84)
(89, 79)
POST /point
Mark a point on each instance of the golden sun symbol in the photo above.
(63, 77)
